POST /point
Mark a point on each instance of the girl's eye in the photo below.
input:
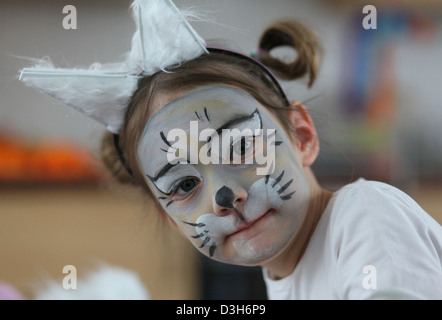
(186, 186)
(240, 148)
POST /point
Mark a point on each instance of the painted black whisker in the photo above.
(212, 249)
(202, 234)
(284, 187)
(288, 196)
(162, 198)
(240, 216)
(278, 179)
(205, 241)
(199, 225)
(267, 179)
(169, 203)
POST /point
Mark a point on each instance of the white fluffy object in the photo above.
(104, 283)
(163, 38)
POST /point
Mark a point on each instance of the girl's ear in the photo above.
(304, 134)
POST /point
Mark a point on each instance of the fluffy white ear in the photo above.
(163, 38)
(102, 96)
(105, 282)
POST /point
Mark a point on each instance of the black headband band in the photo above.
(266, 71)
(116, 139)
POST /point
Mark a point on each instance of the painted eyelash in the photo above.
(176, 185)
(165, 198)
(173, 190)
(200, 117)
(163, 137)
(207, 115)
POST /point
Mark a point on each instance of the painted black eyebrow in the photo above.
(162, 172)
(235, 121)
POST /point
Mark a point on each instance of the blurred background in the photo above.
(376, 106)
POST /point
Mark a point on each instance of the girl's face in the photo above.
(240, 196)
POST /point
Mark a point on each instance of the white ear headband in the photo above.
(163, 38)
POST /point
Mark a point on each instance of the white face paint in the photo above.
(228, 211)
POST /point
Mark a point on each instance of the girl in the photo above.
(313, 243)
(227, 158)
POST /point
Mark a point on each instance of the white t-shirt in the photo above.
(372, 242)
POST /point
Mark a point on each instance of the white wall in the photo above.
(104, 28)
(34, 29)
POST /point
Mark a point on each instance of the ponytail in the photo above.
(293, 34)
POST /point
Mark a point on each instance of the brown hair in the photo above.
(217, 67)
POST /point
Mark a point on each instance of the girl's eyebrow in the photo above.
(235, 121)
(162, 172)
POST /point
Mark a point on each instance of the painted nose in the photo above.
(227, 201)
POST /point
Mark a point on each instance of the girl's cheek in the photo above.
(186, 213)
(184, 208)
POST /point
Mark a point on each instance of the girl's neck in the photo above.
(284, 264)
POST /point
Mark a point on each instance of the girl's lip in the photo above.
(252, 222)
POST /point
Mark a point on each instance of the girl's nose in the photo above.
(228, 201)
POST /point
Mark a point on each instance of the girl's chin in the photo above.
(247, 254)
(250, 251)
(258, 248)
(261, 241)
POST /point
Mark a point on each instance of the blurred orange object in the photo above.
(22, 162)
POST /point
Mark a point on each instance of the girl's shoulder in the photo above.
(371, 190)
(366, 195)
(376, 207)
(374, 224)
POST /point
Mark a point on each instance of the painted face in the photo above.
(225, 172)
